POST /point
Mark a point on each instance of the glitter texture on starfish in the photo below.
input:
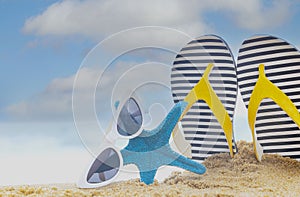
(151, 149)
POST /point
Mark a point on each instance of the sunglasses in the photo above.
(106, 167)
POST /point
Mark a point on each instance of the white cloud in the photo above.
(97, 19)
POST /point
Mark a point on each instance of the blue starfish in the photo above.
(151, 149)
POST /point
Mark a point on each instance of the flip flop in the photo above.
(206, 66)
(268, 72)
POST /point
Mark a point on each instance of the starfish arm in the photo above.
(170, 121)
(188, 164)
(148, 176)
(127, 159)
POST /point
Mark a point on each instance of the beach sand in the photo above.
(241, 176)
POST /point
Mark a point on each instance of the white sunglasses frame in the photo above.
(112, 132)
(82, 181)
(111, 135)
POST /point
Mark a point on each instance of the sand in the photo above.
(241, 176)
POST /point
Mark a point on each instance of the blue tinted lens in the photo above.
(104, 167)
(130, 118)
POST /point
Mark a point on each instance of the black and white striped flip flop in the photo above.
(268, 72)
(201, 128)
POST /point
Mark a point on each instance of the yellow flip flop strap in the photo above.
(264, 88)
(203, 91)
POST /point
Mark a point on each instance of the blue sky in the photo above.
(43, 44)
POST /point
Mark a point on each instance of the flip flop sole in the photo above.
(275, 130)
(200, 126)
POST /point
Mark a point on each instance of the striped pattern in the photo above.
(276, 132)
(200, 126)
